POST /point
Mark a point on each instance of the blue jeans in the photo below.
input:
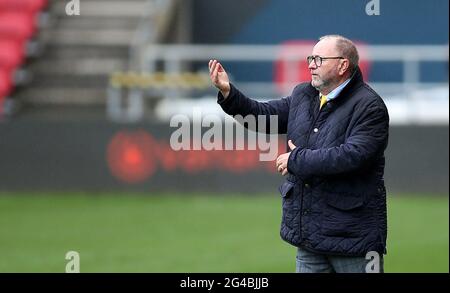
(311, 262)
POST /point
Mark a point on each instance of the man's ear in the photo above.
(343, 67)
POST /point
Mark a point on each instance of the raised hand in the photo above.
(219, 77)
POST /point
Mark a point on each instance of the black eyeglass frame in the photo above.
(318, 60)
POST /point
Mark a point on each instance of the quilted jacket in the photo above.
(334, 197)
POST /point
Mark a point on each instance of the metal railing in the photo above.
(171, 59)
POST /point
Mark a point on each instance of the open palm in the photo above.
(219, 77)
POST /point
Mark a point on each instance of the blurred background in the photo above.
(85, 108)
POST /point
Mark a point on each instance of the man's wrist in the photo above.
(226, 91)
(225, 94)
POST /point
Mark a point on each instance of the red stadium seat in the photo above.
(6, 84)
(23, 5)
(288, 72)
(18, 23)
(17, 26)
(11, 54)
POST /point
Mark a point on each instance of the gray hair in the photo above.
(347, 50)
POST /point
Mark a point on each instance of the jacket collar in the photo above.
(355, 82)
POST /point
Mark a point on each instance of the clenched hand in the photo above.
(282, 160)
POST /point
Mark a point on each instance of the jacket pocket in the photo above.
(286, 188)
(345, 202)
(344, 215)
(288, 211)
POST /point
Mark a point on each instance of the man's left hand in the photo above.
(282, 160)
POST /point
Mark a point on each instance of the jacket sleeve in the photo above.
(368, 137)
(238, 104)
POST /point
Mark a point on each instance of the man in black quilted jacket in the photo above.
(334, 198)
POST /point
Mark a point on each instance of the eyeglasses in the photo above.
(318, 59)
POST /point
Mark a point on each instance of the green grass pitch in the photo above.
(191, 233)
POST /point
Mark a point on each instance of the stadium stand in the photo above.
(88, 58)
(146, 51)
(83, 51)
